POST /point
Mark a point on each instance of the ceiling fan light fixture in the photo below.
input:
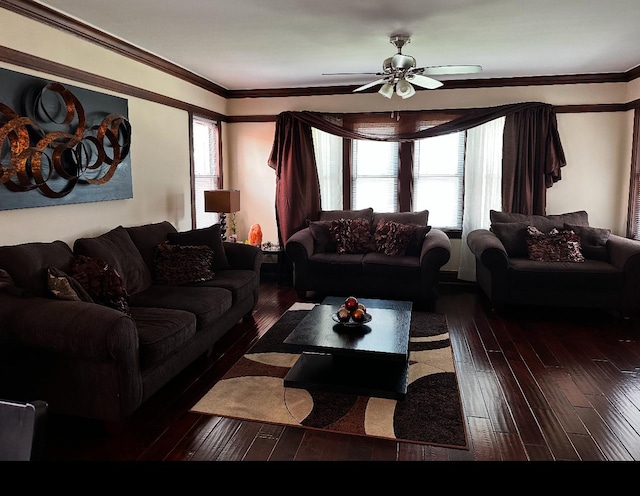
(386, 90)
(405, 89)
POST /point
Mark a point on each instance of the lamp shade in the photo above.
(386, 90)
(222, 200)
(405, 89)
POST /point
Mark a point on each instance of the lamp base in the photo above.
(223, 226)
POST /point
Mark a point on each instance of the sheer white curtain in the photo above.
(328, 151)
(482, 186)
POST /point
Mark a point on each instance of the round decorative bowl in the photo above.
(352, 323)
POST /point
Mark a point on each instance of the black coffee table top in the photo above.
(386, 336)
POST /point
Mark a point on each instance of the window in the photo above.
(374, 175)
(425, 174)
(206, 167)
(438, 179)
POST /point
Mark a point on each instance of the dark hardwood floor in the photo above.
(536, 384)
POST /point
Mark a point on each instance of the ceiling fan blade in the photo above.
(351, 73)
(424, 81)
(448, 69)
(369, 85)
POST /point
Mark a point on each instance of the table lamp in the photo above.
(222, 201)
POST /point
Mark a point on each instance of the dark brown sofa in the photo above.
(92, 360)
(412, 275)
(609, 276)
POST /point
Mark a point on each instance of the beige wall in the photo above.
(597, 145)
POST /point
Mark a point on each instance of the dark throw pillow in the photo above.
(322, 240)
(351, 235)
(64, 287)
(101, 282)
(414, 248)
(7, 284)
(593, 241)
(513, 236)
(207, 236)
(392, 238)
(554, 246)
(176, 265)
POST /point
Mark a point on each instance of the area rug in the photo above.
(431, 413)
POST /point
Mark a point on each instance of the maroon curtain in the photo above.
(532, 156)
(297, 184)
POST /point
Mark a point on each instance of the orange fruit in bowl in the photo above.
(358, 315)
(343, 315)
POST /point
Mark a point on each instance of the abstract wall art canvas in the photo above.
(61, 144)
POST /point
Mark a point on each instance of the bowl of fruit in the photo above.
(351, 313)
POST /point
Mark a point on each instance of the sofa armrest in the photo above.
(624, 253)
(75, 329)
(300, 245)
(487, 248)
(436, 249)
(242, 256)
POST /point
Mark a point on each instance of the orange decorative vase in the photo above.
(255, 235)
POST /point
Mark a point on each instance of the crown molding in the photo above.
(46, 15)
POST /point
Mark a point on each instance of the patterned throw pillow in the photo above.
(555, 246)
(64, 287)
(351, 235)
(392, 238)
(206, 236)
(182, 264)
(102, 282)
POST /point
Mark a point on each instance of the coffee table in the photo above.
(370, 360)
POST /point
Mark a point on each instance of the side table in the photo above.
(281, 261)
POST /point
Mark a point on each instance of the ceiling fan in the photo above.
(400, 71)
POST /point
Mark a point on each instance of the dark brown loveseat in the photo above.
(96, 361)
(410, 275)
(609, 276)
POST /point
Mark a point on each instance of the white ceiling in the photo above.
(266, 44)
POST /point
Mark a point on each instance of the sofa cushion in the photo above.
(543, 222)
(64, 287)
(382, 266)
(329, 215)
(593, 241)
(513, 235)
(352, 235)
(392, 238)
(241, 282)
(322, 239)
(554, 246)
(420, 218)
(117, 249)
(101, 282)
(161, 332)
(341, 265)
(207, 303)
(146, 237)
(594, 274)
(207, 236)
(27, 264)
(176, 264)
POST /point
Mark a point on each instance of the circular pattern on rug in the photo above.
(431, 412)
